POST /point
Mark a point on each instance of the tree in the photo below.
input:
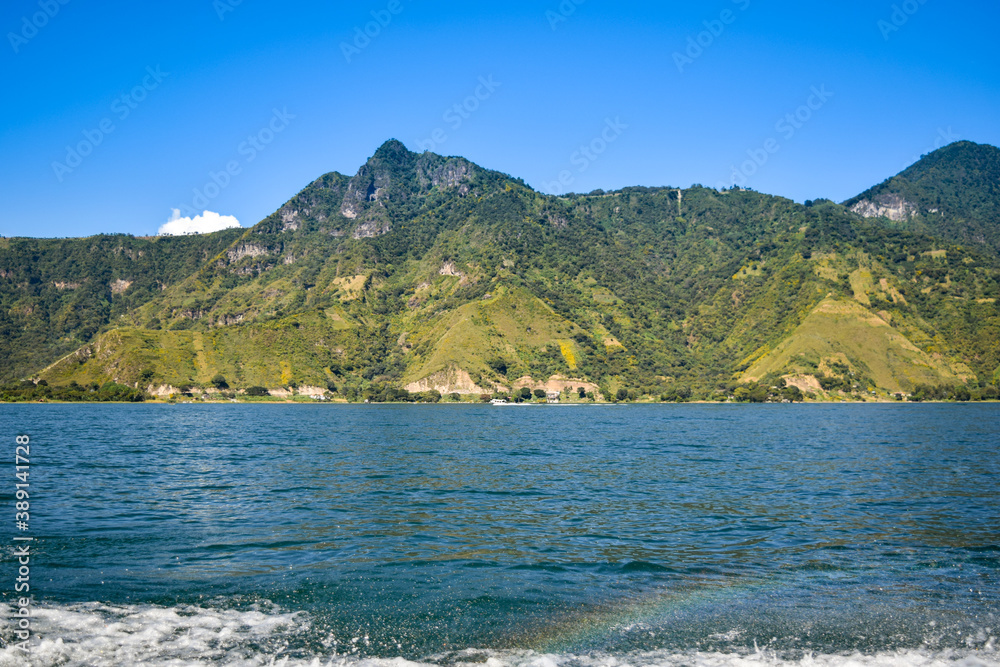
(581, 392)
(219, 381)
(525, 393)
(621, 394)
(792, 393)
(257, 391)
(539, 393)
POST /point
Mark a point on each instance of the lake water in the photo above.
(540, 536)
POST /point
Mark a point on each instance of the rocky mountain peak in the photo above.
(392, 150)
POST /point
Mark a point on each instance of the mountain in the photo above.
(953, 193)
(57, 294)
(428, 272)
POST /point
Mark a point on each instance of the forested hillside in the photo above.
(433, 274)
(56, 294)
(953, 193)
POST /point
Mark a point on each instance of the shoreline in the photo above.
(482, 404)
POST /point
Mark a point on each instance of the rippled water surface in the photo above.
(542, 535)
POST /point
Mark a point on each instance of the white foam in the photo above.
(912, 658)
(97, 635)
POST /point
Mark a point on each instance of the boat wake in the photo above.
(99, 635)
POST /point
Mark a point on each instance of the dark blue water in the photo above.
(702, 534)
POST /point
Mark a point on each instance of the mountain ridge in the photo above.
(932, 195)
(421, 266)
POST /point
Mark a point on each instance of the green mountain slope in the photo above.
(56, 294)
(953, 193)
(841, 337)
(431, 272)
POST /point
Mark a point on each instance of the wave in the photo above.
(101, 635)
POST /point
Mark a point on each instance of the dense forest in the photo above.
(57, 294)
(424, 276)
(953, 193)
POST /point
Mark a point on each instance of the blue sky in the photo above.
(252, 101)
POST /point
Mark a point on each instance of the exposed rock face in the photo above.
(349, 209)
(453, 173)
(453, 380)
(372, 228)
(162, 390)
(227, 320)
(290, 220)
(449, 269)
(119, 286)
(65, 285)
(247, 250)
(805, 383)
(394, 176)
(557, 221)
(368, 185)
(890, 206)
(365, 200)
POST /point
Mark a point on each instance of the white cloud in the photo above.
(208, 221)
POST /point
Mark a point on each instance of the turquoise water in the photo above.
(541, 536)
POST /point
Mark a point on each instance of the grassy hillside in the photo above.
(844, 340)
(57, 294)
(267, 354)
(424, 271)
